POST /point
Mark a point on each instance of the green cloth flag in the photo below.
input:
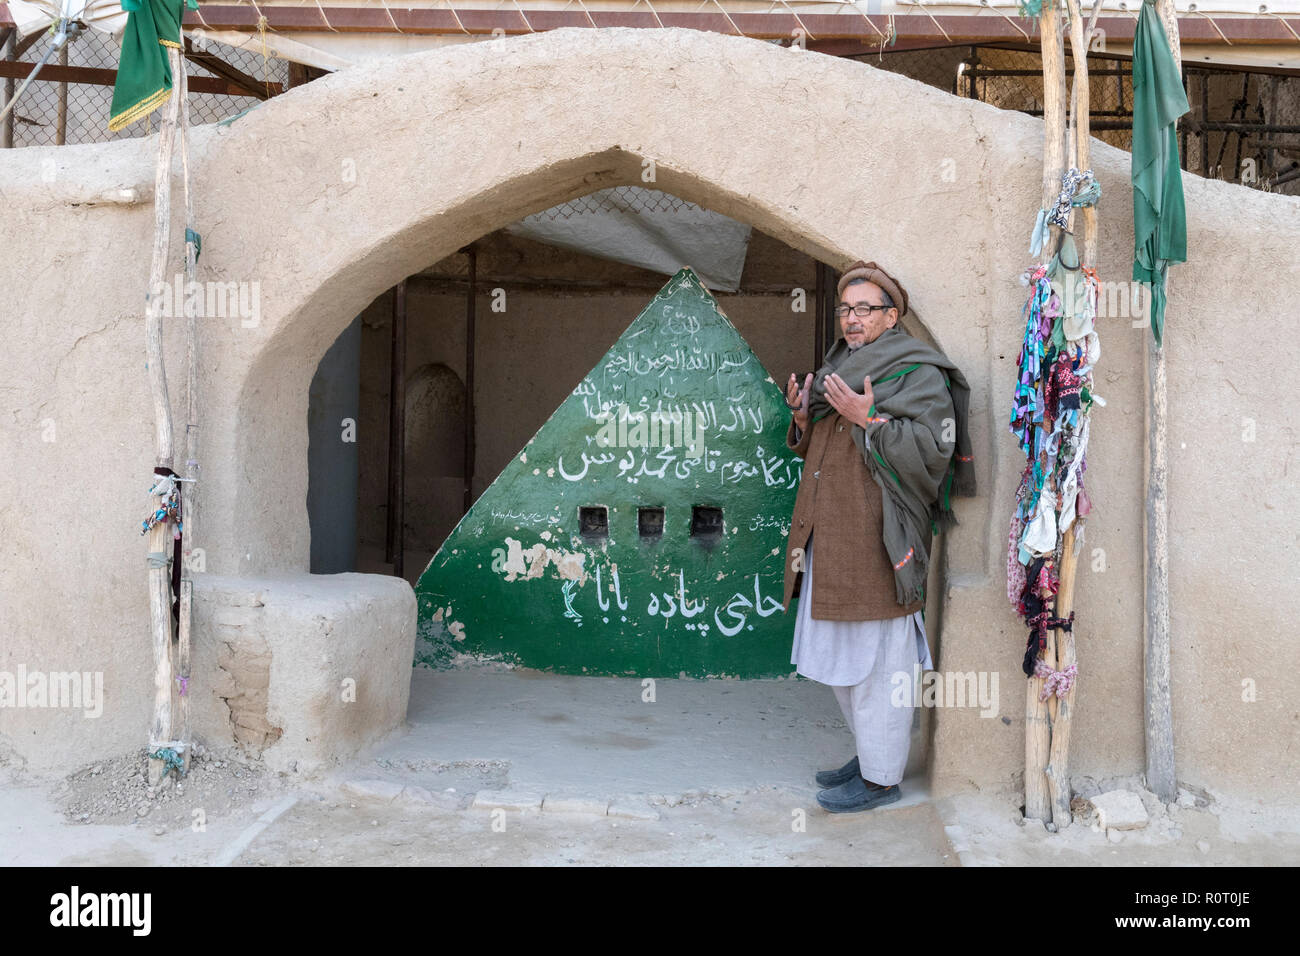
(144, 77)
(1159, 216)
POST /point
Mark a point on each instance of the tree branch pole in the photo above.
(189, 489)
(1158, 723)
(1037, 730)
(1060, 710)
(160, 535)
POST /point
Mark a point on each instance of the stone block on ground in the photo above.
(1120, 810)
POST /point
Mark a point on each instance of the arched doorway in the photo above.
(374, 220)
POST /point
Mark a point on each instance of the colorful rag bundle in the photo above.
(1041, 586)
(169, 509)
(1027, 403)
(1049, 418)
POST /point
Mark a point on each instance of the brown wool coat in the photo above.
(838, 497)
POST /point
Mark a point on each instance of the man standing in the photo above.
(882, 429)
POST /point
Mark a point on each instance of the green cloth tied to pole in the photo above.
(1159, 216)
(144, 77)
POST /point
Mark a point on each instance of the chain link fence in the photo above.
(1244, 126)
(617, 199)
(36, 116)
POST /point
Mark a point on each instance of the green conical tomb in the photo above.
(642, 530)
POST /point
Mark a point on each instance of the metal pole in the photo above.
(7, 130)
(65, 32)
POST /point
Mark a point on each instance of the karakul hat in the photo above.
(873, 273)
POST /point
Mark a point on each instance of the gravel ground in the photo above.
(116, 792)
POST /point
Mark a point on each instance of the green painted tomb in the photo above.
(641, 531)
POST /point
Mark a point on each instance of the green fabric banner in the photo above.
(144, 77)
(1159, 216)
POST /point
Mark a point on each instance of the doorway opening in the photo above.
(491, 340)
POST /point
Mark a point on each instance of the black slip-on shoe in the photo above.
(833, 778)
(855, 795)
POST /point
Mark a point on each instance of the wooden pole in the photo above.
(471, 323)
(1037, 731)
(1053, 52)
(819, 313)
(181, 731)
(397, 434)
(298, 75)
(1080, 41)
(1060, 710)
(160, 535)
(61, 119)
(189, 489)
(1158, 723)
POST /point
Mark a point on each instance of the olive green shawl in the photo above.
(921, 456)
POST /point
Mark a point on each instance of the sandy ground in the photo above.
(499, 767)
(988, 830)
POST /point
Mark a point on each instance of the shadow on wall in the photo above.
(332, 461)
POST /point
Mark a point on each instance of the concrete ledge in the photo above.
(304, 670)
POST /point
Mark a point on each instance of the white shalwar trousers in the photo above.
(867, 664)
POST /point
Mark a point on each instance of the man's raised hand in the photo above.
(856, 408)
(797, 399)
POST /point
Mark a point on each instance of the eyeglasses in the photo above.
(861, 310)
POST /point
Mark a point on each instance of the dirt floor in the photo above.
(505, 768)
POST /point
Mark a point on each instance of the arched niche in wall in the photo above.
(435, 455)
